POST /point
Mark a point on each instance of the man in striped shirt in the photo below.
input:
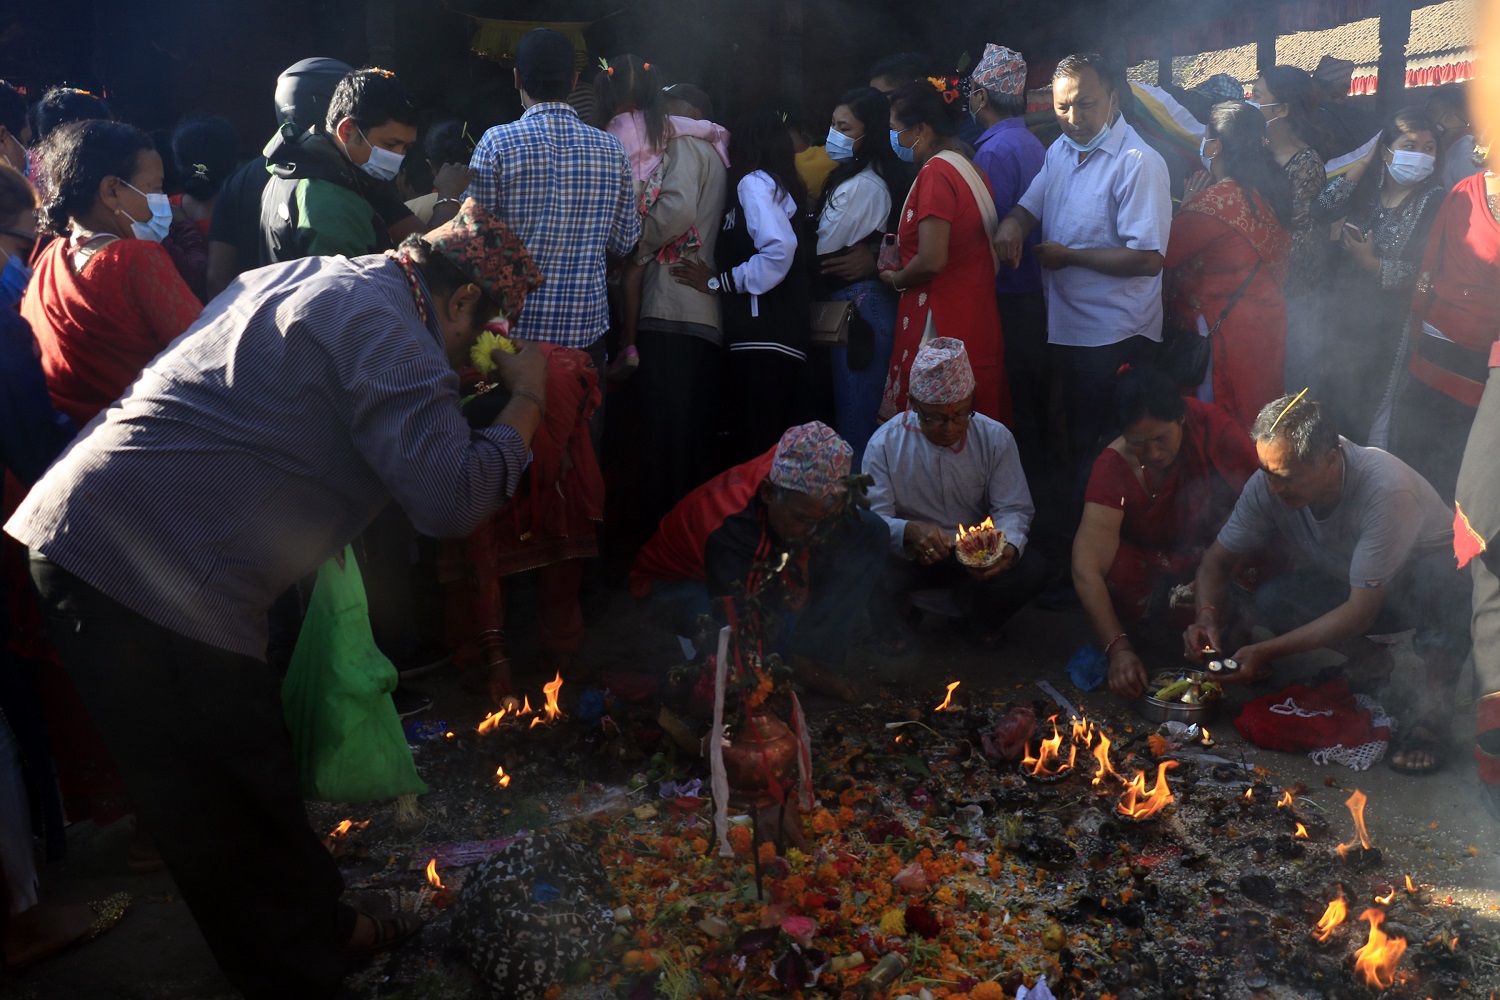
(248, 453)
(565, 188)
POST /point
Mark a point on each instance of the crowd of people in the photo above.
(1234, 403)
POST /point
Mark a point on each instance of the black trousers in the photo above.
(991, 604)
(1023, 323)
(680, 383)
(199, 735)
(763, 396)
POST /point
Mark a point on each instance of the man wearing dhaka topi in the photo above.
(779, 526)
(937, 467)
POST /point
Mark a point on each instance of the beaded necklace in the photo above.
(418, 296)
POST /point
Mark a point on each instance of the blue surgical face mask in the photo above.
(839, 146)
(154, 228)
(1092, 144)
(1208, 161)
(383, 165)
(13, 280)
(1409, 167)
(904, 154)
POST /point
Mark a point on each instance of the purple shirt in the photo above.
(1012, 157)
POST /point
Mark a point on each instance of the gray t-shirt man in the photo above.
(1387, 515)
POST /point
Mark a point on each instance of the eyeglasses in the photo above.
(28, 239)
(941, 419)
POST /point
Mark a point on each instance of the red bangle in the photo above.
(1110, 645)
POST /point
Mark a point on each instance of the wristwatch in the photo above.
(713, 284)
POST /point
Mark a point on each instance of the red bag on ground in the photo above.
(1309, 719)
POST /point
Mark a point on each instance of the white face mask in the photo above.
(1261, 108)
(839, 146)
(383, 165)
(154, 228)
(1407, 166)
(1208, 161)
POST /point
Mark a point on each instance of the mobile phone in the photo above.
(1350, 229)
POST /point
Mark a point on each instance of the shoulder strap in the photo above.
(983, 200)
(1236, 297)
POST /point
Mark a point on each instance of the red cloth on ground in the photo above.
(961, 298)
(675, 551)
(98, 328)
(550, 524)
(1168, 534)
(1214, 244)
(1303, 719)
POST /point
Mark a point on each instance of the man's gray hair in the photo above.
(1301, 423)
(1010, 105)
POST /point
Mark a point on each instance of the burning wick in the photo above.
(1356, 804)
(493, 720)
(1101, 754)
(502, 777)
(1048, 754)
(1378, 959)
(432, 876)
(1410, 887)
(947, 699)
(1301, 833)
(1287, 802)
(1332, 917)
(553, 710)
(1249, 795)
(1386, 899)
(1136, 803)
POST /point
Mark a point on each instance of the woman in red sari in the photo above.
(1229, 234)
(551, 525)
(946, 276)
(1155, 501)
(106, 297)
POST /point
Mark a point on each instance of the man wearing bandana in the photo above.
(778, 527)
(940, 465)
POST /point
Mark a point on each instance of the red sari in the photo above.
(961, 300)
(1216, 240)
(1163, 538)
(98, 327)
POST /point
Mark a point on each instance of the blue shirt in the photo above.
(1117, 197)
(1012, 157)
(565, 190)
(307, 397)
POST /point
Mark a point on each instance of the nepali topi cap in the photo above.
(940, 373)
(1333, 71)
(812, 459)
(1000, 69)
(485, 249)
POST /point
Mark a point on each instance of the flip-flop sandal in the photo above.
(390, 932)
(1413, 743)
(107, 912)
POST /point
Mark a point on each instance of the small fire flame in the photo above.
(537, 721)
(947, 699)
(1356, 804)
(1287, 802)
(1410, 887)
(1101, 754)
(1137, 803)
(1208, 740)
(988, 524)
(1386, 899)
(1301, 833)
(553, 710)
(502, 777)
(432, 875)
(1332, 917)
(1249, 795)
(1378, 959)
(526, 708)
(1083, 731)
(493, 720)
(1047, 755)
(340, 830)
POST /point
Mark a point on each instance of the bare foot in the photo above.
(44, 930)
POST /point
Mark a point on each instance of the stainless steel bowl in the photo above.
(1156, 710)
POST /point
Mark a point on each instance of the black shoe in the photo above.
(409, 701)
(421, 661)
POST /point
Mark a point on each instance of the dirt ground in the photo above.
(1433, 826)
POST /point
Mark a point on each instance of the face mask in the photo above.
(1408, 166)
(383, 165)
(839, 146)
(1092, 144)
(13, 280)
(1262, 107)
(904, 154)
(154, 228)
(1208, 161)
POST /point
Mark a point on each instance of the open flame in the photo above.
(1044, 764)
(1101, 754)
(1301, 833)
(947, 699)
(1378, 959)
(493, 720)
(980, 545)
(1410, 887)
(552, 709)
(1249, 795)
(1083, 731)
(1287, 802)
(341, 831)
(1386, 899)
(502, 777)
(432, 875)
(1332, 917)
(1137, 803)
(1356, 804)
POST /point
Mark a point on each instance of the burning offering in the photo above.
(1048, 766)
(1378, 959)
(947, 705)
(1137, 803)
(1332, 917)
(981, 546)
(1356, 804)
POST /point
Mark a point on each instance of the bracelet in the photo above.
(1207, 607)
(1112, 642)
(447, 201)
(528, 394)
(895, 287)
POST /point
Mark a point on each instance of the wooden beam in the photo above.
(1265, 37)
(1395, 32)
(1164, 60)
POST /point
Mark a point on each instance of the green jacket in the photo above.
(317, 202)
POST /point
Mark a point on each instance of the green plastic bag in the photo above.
(337, 699)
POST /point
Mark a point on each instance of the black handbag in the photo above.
(1186, 354)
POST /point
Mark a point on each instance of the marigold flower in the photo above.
(893, 923)
(987, 991)
(823, 822)
(766, 852)
(740, 838)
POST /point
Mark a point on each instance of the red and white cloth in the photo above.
(1328, 722)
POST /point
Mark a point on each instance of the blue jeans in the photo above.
(856, 394)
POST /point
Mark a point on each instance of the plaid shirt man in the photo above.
(565, 189)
